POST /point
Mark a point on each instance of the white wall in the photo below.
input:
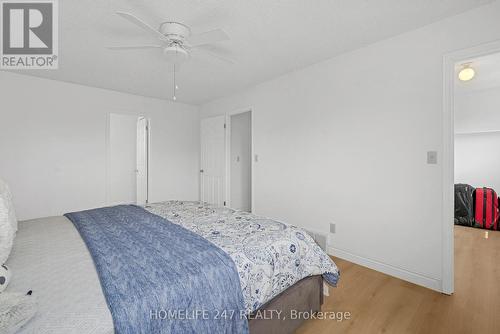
(477, 138)
(345, 141)
(122, 159)
(477, 159)
(53, 144)
(477, 111)
(241, 161)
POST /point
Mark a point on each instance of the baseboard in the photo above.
(400, 273)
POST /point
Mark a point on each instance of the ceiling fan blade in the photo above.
(204, 51)
(133, 47)
(138, 22)
(208, 37)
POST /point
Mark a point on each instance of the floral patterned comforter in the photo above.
(270, 256)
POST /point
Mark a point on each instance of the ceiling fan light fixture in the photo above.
(175, 54)
(176, 41)
(175, 31)
(466, 73)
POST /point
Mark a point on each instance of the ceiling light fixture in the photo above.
(177, 42)
(466, 73)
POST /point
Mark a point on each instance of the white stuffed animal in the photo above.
(16, 309)
(4, 277)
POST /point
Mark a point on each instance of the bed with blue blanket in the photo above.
(170, 267)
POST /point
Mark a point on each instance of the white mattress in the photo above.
(50, 258)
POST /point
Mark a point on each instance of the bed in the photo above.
(279, 267)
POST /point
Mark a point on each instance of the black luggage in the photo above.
(464, 204)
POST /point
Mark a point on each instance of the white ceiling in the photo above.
(268, 38)
(487, 74)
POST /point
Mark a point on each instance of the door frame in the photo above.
(228, 156)
(448, 121)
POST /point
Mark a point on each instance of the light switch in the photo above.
(432, 157)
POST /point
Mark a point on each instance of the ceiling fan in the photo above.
(176, 40)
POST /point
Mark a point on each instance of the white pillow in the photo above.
(8, 222)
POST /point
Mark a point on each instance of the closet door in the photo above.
(212, 172)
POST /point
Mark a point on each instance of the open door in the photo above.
(142, 170)
(212, 189)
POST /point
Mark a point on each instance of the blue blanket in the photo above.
(159, 277)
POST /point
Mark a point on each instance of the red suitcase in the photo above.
(486, 208)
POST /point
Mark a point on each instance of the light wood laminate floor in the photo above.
(380, 303)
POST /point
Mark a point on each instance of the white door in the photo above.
(213, 160)
(142, 160)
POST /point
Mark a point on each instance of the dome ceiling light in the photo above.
(466, 73)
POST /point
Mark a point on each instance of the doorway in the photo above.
(240, 161)
(127, 159)
(226, 173)
(453, 64)
(142, 171)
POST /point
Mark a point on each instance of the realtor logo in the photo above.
(29, 36)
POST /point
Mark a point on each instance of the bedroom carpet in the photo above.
(380, 303)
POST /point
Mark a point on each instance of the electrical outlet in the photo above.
(332, 227)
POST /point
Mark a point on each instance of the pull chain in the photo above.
(175, 86)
